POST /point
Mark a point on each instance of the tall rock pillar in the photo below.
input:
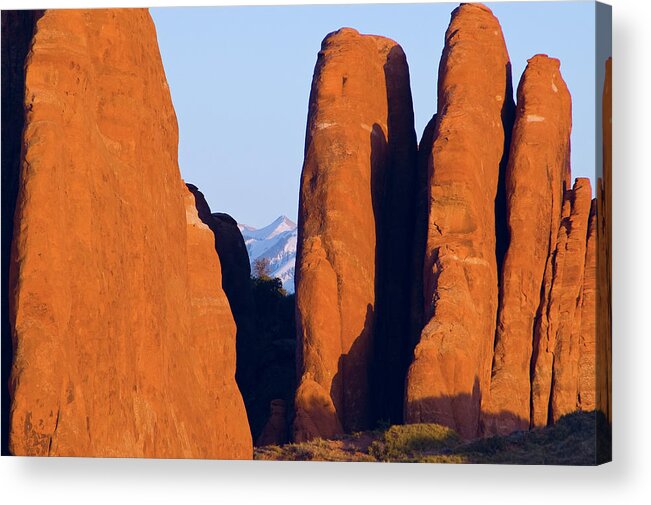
(451, 366)
(359, 132)
(537, 173)
(124, 342)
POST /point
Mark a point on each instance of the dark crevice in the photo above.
(17, 31)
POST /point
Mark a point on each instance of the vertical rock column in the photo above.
(451, 366)
(124, 339)
(587, 371)
(350, 145)
(537, 172)
(556, 336)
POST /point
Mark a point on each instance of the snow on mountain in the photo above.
(277, 243)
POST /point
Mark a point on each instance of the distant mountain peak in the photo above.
(283, 219)
(277, 243)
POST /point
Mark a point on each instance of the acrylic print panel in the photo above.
(421, 273)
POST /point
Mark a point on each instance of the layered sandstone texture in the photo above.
(451, 367)
(537, 172)
(123, 337)
(359, 133)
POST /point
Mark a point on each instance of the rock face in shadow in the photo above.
(604, 257)
(538, 170)
(17, 30)
(360, 144)
(124, 342)
(453, 358)
(275, 429)
(236, 282)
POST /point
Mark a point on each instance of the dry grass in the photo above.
(572, 441)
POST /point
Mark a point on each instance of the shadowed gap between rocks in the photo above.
(384, 343)
(381, 367)
(395, 208)
(264, 317)
(347, 366)
(17, 31)
(502, 235)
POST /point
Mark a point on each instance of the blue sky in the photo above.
(240, 81)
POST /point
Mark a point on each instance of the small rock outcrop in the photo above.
(360, 139)
(275, 430)
(124, 341)
(538, 170)
(451, 367)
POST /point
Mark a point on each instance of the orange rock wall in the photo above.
(124, 340)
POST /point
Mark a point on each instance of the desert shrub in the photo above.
(571, 441)
(315, 450)
(411, 441)
(486, 446)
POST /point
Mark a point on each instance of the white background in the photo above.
(626, 480)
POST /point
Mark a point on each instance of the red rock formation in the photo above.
(556, 337)
(587, 371)
(451, 366)
(537, 172)
(266, 347)
(236, 282)
(354, 142)
(566, 357)
(604, 259)
(124, 340)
